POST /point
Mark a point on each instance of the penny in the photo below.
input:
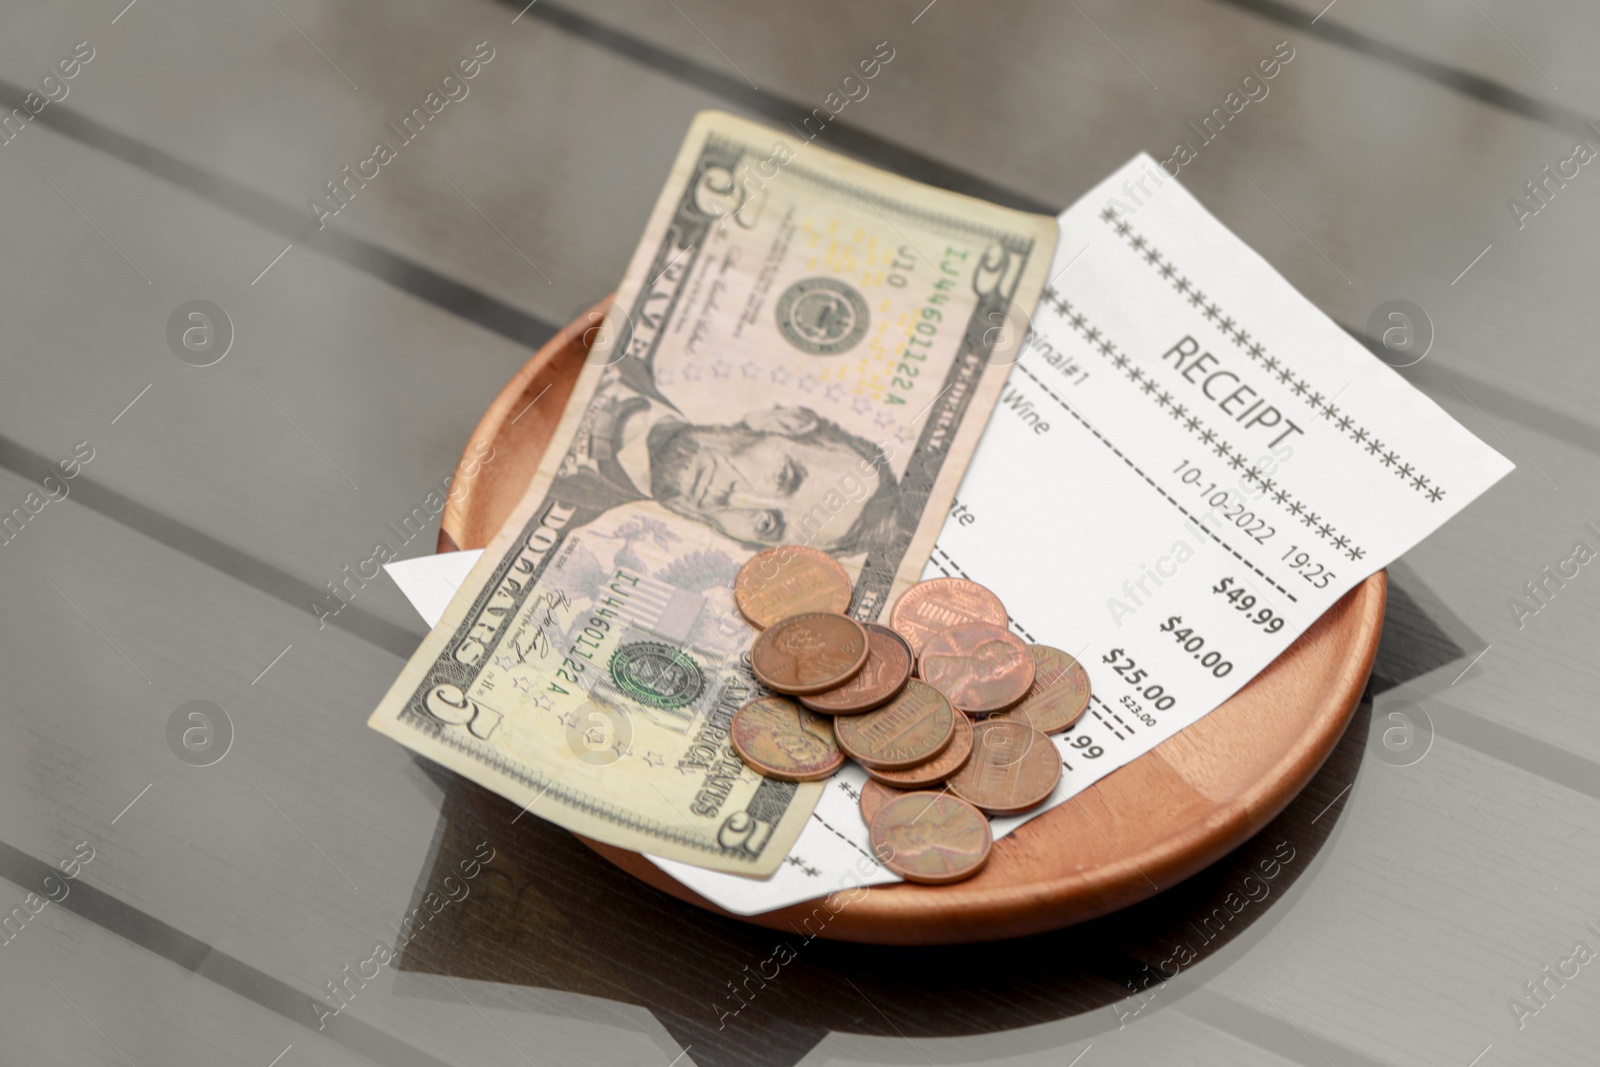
(780, 739)
(1059, 694)
(912, 728)
(875, 795)
(790, 580)
(1013, 767)
(931, 837)
(980, 668)
(879, 681)
(809, 653)
(939, 604)
(936, 770)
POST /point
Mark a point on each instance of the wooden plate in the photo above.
(1166, 815)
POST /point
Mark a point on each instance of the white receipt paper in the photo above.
(1189, 465)
(430, 582)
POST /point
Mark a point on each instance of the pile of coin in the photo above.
(945, 708)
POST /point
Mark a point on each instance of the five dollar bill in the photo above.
(804, 350)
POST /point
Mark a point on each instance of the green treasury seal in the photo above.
(822, 316)
(661, 676)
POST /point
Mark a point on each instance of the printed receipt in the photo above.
(1189, 465)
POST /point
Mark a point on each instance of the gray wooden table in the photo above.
(229, 908)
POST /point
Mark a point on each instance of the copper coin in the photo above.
(1059, 694)
(912, 728)
(930, 774)
(875, 795)
(879, 681)
(790, 580)
(939, 604)
(809, 653)
(780, 739)
(980, 668)
(1013, 767)
(931, 837)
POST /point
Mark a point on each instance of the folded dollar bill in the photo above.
(804, 350)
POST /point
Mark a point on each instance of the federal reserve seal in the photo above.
(661, 676)
(822, 316)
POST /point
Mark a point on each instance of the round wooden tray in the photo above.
(1144, 828)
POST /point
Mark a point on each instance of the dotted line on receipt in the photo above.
(1095, 711)
(1168, 496)
(845, 839)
